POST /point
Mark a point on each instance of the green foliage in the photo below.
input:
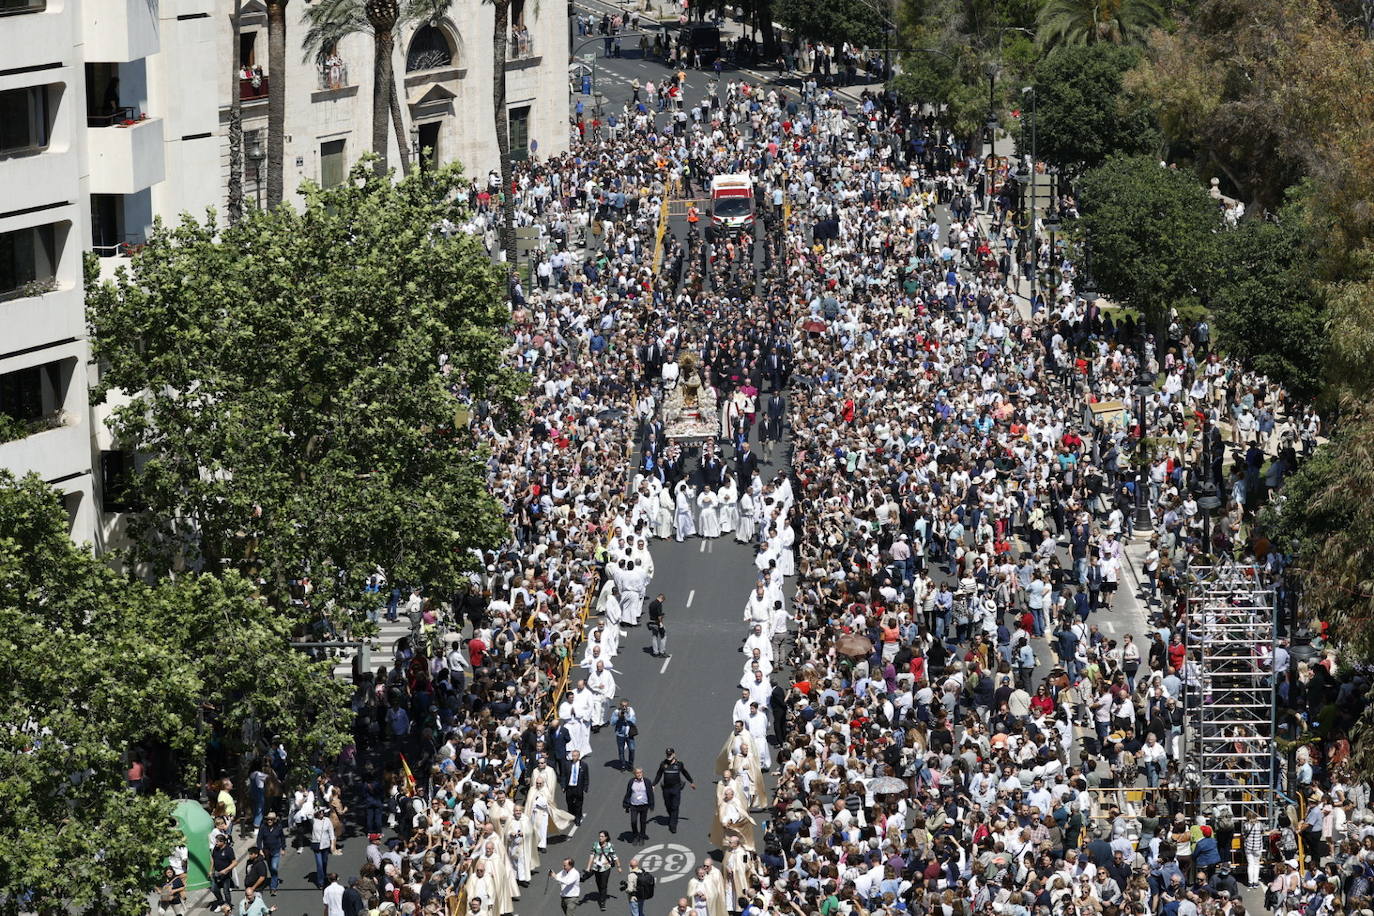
(958, 48)
(1083, 22)
(1152, 232)
(291, 409)
(1082, 113)
(99, 664)
(1269, 311)
(834, 21)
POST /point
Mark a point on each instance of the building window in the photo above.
(248, 45)
(24, 123)
(10, 7)
(429, 50)
(28, 261)
(519, 121)
(429, 145)
(332, 165)
(116, 471)
(21, 394)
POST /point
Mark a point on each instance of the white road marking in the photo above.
(690, 597)
(671, 860)
(666, 662)
(703, 546)
(1111, 627)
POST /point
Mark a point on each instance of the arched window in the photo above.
(430, 49)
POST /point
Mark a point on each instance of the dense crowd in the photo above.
(930, 719)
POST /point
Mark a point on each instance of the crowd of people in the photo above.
(930, 719)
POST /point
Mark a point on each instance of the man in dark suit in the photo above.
(712, 468)
(771, 429)
(746, 466)
(575, 786)
(557, 740)
(638, 802)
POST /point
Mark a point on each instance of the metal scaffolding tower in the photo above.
(1230, 695)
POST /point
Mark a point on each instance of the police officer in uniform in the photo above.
(670, 778)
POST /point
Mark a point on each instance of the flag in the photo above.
(410, 777)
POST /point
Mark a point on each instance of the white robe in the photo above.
(608, 605)
(602, 684)
(579, 725)
(663, 517)
(729, 509)
(684, 520)
(759, 608)
(710, 514)
(744, 530)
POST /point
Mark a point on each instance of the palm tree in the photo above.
(330, 21)
(500, 41)
(276, 98)
(1082, 22)
(236, 125)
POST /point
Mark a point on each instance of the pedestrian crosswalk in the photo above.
(382, 647)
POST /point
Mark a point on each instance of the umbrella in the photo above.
(886, 785)
(813, 326)
(854, 645)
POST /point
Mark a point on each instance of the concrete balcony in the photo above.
(33, 321)
(119, 31)
(37, 38)
(126, 160)
(38, 178)
(53, 454)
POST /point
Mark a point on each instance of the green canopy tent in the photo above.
(196, 824)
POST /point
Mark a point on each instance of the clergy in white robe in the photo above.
(579, 729)
(744, 528)
(729, 508)
(758, 638)
(663, 518)
(607, 604)
(684, 518)
(585, 705)
(732, 820)
(758, 609)
(602, 683)
(546, 817)
(709, 519)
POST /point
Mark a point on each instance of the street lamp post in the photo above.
(1144, 387)
(1030, 91)
(257, 155)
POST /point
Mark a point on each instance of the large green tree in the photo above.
(1152, 232)
(1269, 312)
(99, 665)
(289, 406)
(1082, 115)
(1326, 515)
(861, 23)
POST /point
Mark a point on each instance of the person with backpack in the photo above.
(638, 887)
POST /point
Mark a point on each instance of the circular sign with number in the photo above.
(668, 860)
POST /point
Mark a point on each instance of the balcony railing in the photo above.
(521, 46)
(334, 75)
(127, 248)
(123, 116)
(253, 88)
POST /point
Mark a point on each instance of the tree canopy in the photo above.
(1081, 111)
(833, 20)
(298, 382)
(1151, 230)
(105, 668)
(1270, 313)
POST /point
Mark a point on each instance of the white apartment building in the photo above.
(98, 134)
(444, 84)
(115, 112)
